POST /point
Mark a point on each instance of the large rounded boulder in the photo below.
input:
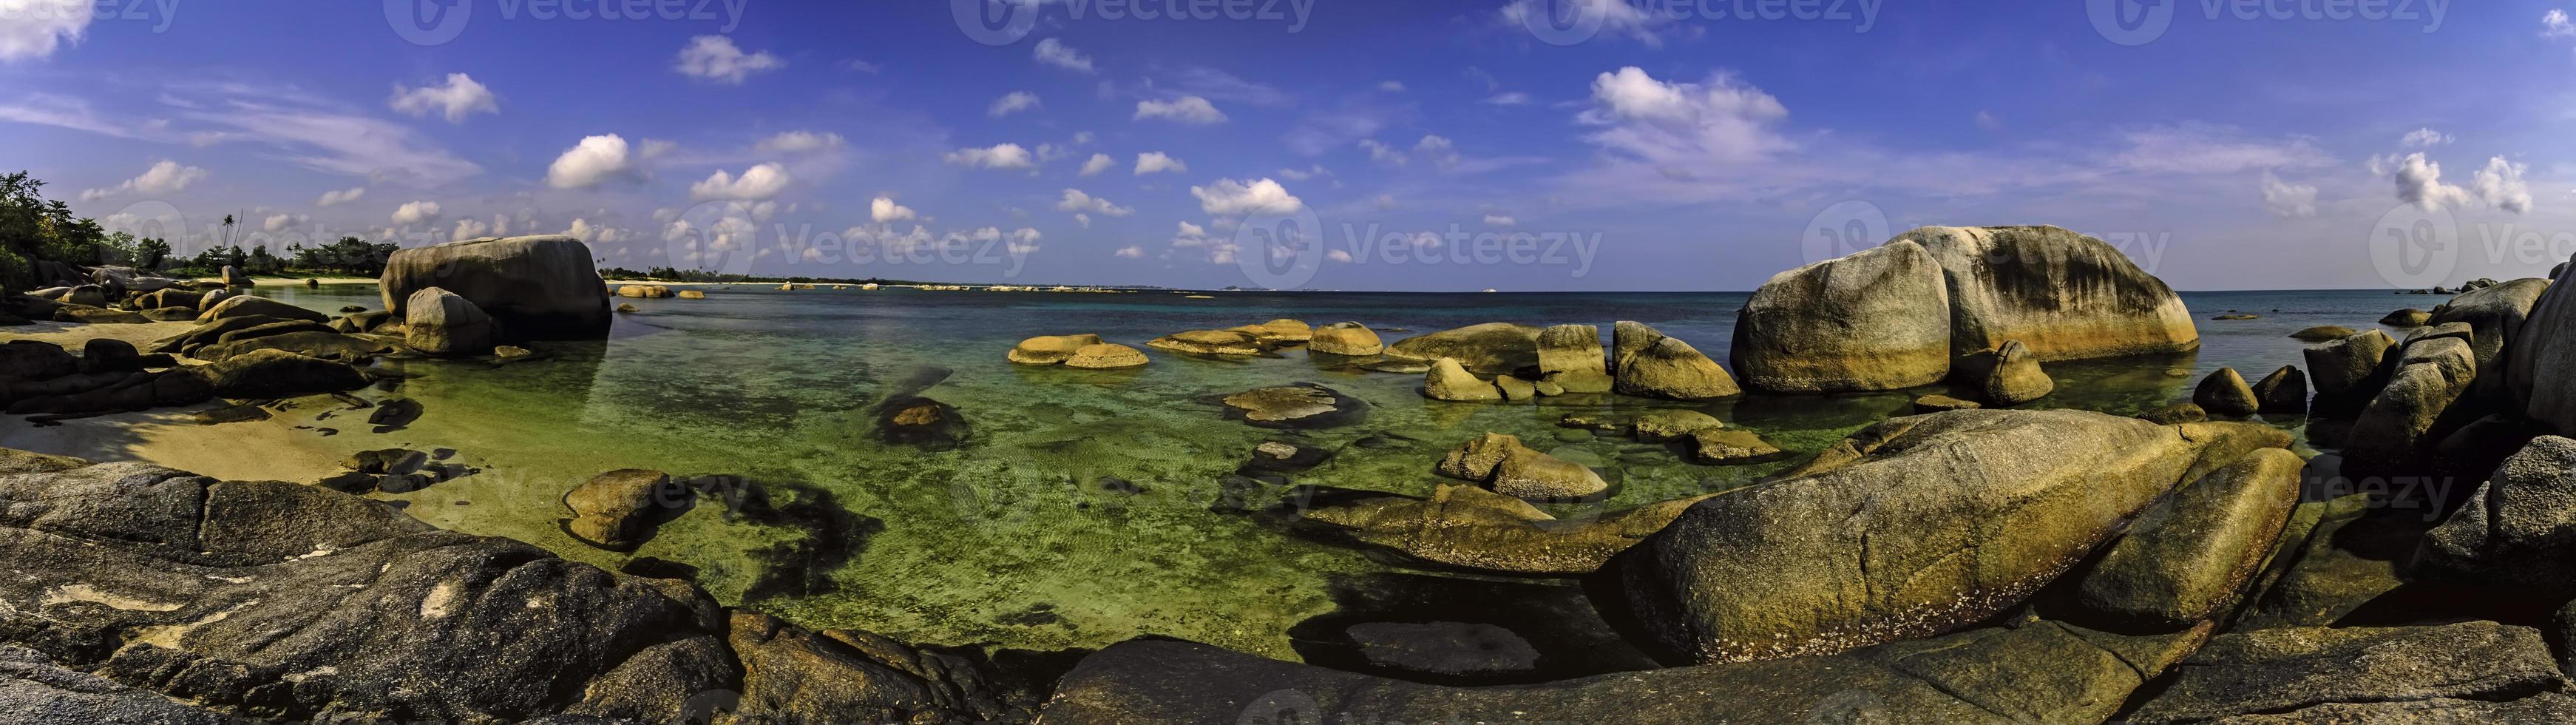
(2066, 295)
(2542, 349)
(1875, 320)
(440, 322)
(1493, 347)
(540, 287)
(1914, 527)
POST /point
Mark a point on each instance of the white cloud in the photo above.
(1075, 200)
(1263, 196)
(415, 212)
(2288, 200)
(1514, 98)
(1384, 202)
(469, 229)
(1438, 150)
(1391, 86)
(2554, 24)
(654, 148)
(883, 209)
(1192, 230)
(165, 177)
(1659, 122)
(1097, 164)
(1381, 152)
(1015, 102)
(596, 159)
(1338, 255)
(1617, 17)
(1304, 174)
(336, 198)
(1082, 219)
(756, 183)
(2423, 138)
(1129, 252)
(1153, 161)
(461, 96)
(1055, 53)
(279, 222)
(999, 156)
(1497, 220)
(2500, 185)
(789, 142)
(583, 230)
(715, 58)
(1988, 122)
(34, 28)
(2419, 182)
(1185, 109)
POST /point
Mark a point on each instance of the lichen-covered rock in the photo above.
(1475, 459)
(2289, 672)
(1651, 365)
(2285, 391)
(1916, 526)
(255, 306)
(2518, 531)
(2415, 409)
(1106, 356)
(273, 374)
(2066, 295)
(1050, 349)
(1472, 528)
(1529, 474)
(2225, 393)
(1348, 339)
(1938, 403)
(1571, 357)
(440, 322)
(1671, 425)
(2322, 333)
(2495, 315)
(2004, 376)
(2186, 559)
(2536, 366)
(620, 509)
(1730, 446)
(1450, 381)
(2409, 317)
(1492, 347)
(2347, 372)
(538, 287)
(1876, 320)
(1210, 342)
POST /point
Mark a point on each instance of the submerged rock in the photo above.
(1672, 425)
(2322, 333)
(1938, 403)
(1349, 339)
(1913, 527)
(620, 509)
(1450, 381)
(1106, 356)
(1050, 349)
(921, 422)
(2005, 376)
(1304, 405)
(1210, 342)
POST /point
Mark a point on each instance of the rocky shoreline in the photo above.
(1981, 561)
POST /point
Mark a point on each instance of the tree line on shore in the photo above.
(35, 229)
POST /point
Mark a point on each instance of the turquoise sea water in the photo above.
(1011, 540)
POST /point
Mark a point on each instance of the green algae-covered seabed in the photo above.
(1010, 540)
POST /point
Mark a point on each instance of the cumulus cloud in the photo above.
(796, 142)
(415, 212)
(1055, 53)
(2500, 185)
(1015, 102)
(1304, 174)
(1514, 98)
(1262, 196)
(1153, 161)
(1721, 119)
(2423, 138)
(2419, 182)
(1075, 200)
(596, 159)
(34, 28)
(998, 156)
(883, 209)
(755, 184)
(2288, 200)
(1438, 150)
(1097, 164)
(165, 177)
(344, 196)
(1498, 220)
(453, 101)
(1129, 252)
(715, 58)
(2554, 24)
(1185, 109)
(583, 230)
(469, 229)
(279, 222)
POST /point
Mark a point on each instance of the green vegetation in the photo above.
(669, 274)
(33, 229)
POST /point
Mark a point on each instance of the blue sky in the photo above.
(1420, 145)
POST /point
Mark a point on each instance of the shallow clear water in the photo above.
(1010, 540)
